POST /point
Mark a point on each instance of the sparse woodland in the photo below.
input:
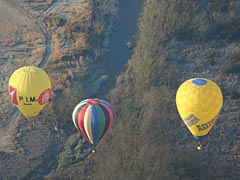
(176, 41)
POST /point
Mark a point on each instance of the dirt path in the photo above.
(48, 39)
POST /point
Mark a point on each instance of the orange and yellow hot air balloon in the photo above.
(199, 101)
(30, 89)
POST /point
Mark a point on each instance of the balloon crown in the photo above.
(93, 101)
(199, 81)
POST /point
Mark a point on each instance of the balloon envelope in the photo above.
(93, 118)
(30, 89)
(199, 101)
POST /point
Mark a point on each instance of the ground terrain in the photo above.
(33, 34)
(69, 39)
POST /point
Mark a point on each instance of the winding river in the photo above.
(126, 27)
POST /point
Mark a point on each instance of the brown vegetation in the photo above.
(177, 40)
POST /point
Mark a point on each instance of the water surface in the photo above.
(126, 28)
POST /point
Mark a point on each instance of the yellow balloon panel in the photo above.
(30, 89)
(199, 101)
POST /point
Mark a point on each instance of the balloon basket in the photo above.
(93, 151)
(199, 146)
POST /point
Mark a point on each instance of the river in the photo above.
(126, 27)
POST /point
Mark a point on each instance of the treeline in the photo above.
(148, 140)
(195, 20)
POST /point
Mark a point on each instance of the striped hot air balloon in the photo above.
(93, 118)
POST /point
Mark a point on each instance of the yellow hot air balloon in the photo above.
(199, 101)
(30, 89)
